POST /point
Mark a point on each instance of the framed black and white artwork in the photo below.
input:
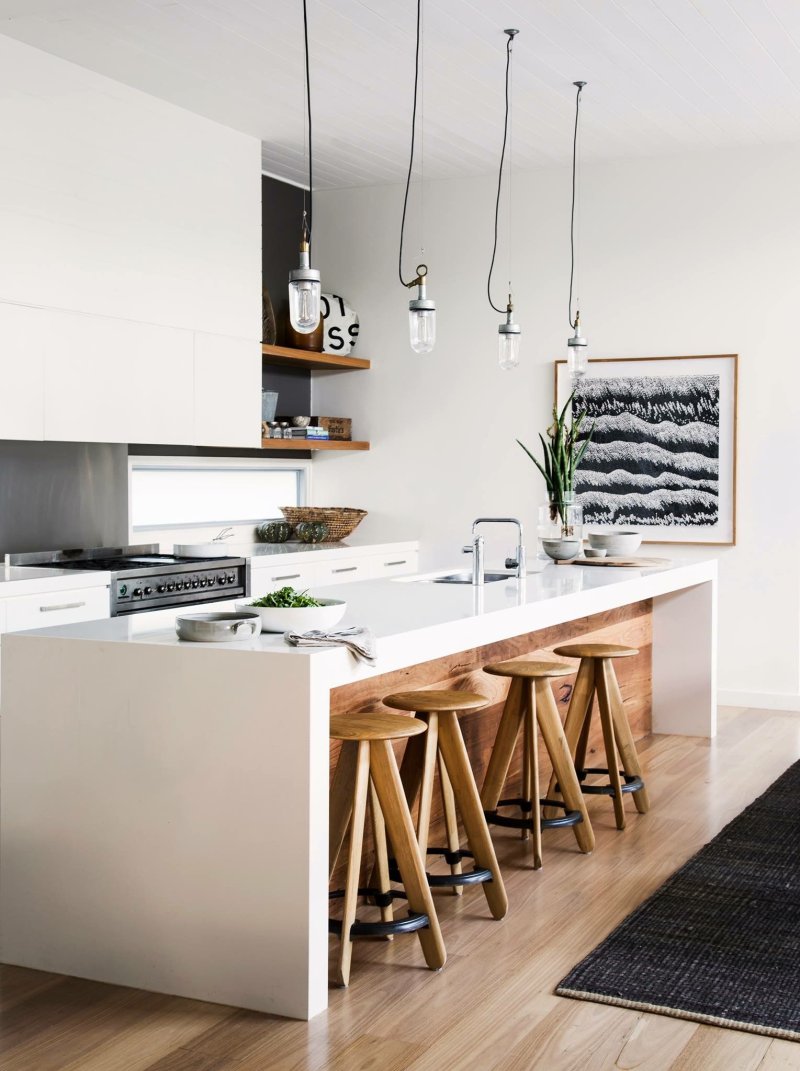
(663, 453)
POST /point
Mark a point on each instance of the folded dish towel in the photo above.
(359, 641)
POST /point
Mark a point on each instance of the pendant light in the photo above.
(509, 331)
(421, 309)
(577, 347)
(304, 282)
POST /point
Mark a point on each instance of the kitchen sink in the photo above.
(466, 578)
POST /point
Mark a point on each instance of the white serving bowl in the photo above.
(298, 618)
(619, 541)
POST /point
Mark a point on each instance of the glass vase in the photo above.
(561, 520)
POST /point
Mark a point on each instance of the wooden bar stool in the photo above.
(596, 676)
(530, 700)
(444, 743)
(367, 765)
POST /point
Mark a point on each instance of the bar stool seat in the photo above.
(367, 766)
(530, 702)
(444, 745)
(596, 676)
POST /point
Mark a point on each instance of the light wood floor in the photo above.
(492, 1008)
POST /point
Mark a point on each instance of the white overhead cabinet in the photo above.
(23, 337)
(109, 380)
(227, 391)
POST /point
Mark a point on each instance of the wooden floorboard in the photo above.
(493, 1007)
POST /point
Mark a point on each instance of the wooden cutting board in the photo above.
(622, 563)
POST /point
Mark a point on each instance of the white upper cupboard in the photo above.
(130, 271)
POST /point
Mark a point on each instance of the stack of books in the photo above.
(306, 433)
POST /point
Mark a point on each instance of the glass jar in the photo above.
(561, 520)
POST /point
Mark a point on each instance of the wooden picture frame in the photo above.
(623, 502)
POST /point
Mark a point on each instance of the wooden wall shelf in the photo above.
(312, 444)
(284, 357)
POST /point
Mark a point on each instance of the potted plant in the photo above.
(563, 450)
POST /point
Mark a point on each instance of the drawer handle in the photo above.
(346, 569)
(289, 576)
(61, 606)
(403, 562)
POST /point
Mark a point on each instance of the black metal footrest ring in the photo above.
(569, 818)
(632, 782)
(415, 920)
(476, 876)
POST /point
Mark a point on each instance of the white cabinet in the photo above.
(227, 391)
(401, 563)
(343, 570)
(115, 381)
(281, 575)
(23, 335)
(62, 607)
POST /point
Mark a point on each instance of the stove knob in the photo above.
(195, 583)
(137, 593)
(148, 591)
(231, 578)
(162, 588)
(211, 581)
(223, 580)
(203, 582)
(170, 586)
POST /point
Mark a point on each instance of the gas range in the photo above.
(142, 578)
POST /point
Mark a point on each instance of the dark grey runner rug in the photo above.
(719, 942)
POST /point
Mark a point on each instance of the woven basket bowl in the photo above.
(340, 521)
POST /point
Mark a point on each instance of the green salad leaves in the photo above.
(287, 598)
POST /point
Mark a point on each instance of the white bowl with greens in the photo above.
(287, 610)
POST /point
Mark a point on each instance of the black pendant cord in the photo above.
(500, 177)
(573, 323)
(411, 155)
(308, 215)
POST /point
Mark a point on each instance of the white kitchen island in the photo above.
(165, 805)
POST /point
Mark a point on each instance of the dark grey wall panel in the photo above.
(55, 495)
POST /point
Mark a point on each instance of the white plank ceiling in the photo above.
(664, 75)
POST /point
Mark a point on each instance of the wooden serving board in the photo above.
(622, 563)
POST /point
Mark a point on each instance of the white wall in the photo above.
(684, 255)
(142, 215)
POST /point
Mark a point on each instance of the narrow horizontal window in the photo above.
(174, 496)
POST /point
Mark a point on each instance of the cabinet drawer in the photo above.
(395, 564)
(56, 608)
(299, 577)
(343, 571)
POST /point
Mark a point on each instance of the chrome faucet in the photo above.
(477, 546)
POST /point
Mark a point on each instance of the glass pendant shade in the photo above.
(304, 295)
(508, 350)
(577, 356)
(422, 321)
(508, 339)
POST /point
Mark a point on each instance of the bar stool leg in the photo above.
(380, 880)
(389, 787)
(454, 754)
(500, 759)
(450, 821)
(431, 739)
(561, 758)
(580, 706)
(353, 861)
(624, 738)
(604, 703)
(341, 800)
(533, 790)
(583, 744)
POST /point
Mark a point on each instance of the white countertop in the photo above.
(414, 621)
(22, 580)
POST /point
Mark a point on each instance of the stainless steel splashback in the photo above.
(62, 495)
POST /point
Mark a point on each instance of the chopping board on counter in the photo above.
(622, 563)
